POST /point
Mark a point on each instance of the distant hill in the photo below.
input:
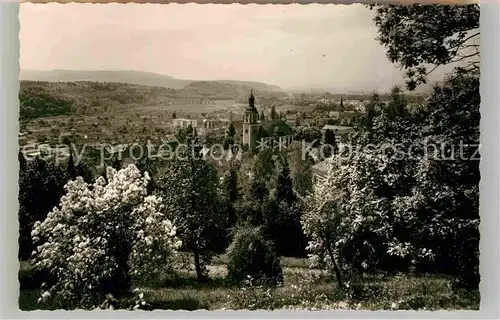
(222, 90)
(255, 85)
(41, 99)
(132, 77)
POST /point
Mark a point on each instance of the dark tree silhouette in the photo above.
(71, 167)
(330, 145)
(417, 36)
(41, 186)
(284, 185)
(274, 114)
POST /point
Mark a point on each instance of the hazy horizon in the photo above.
(292, 46)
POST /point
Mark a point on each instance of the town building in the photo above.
(214, 123)
(350, 118)
(339, 131)
(335, 115)
(320, 171)
(264, 134)
(184, 123)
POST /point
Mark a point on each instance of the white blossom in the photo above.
(78, 232)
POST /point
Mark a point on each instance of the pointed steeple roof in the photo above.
(251, 102)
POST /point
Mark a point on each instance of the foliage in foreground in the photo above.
(41, 185)
(303, 288)
(388, 209)
(101, 238)
(420, 37)
(189, 189)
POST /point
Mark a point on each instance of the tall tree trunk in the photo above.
(196, 250)
(199, 272)
(338, 274)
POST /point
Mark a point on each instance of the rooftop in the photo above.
(335, 128)
(322, 167)
(274, 128)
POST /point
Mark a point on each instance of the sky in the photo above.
(293, 46)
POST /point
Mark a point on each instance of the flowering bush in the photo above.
(102, 237)
(380, 209)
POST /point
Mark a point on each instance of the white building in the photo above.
(334, 115)
(339, 131)
(184, 123)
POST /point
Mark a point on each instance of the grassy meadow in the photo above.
(303, 288)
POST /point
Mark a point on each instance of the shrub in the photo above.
(101, 238)
(250, 255)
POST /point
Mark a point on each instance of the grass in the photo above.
(303, 288)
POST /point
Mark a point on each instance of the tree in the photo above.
(263, 167)
(189, 130)
(442, 210)
(229, 136)
(308, 134)
(41, 185)
(297, 120)
(278, 214)
(282, 224)
(284, 185)
(258, 190)
(115, 226)
(231, 193)
(419, 36)
(371, 111)
(262, 116)
(349, 218)
(252, 255)
(300, 171)
(322, 224)
(38, 101)
(189, 188)
(151, 166)
(394, 207)
(231, 130)
(116, 162)
(182, 135)
(387, 209)
(174, 115)
(231, 187)
(83, 170)
(330, 144)
(274, 114)
(22, 161)
(71, 167)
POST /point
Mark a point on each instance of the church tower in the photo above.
(251, 123)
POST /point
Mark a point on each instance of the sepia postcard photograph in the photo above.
(249, 157)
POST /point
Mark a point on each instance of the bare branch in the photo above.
(465, 40)
(435, 67)
(462, 58)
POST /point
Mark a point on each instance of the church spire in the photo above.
(251, 100)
